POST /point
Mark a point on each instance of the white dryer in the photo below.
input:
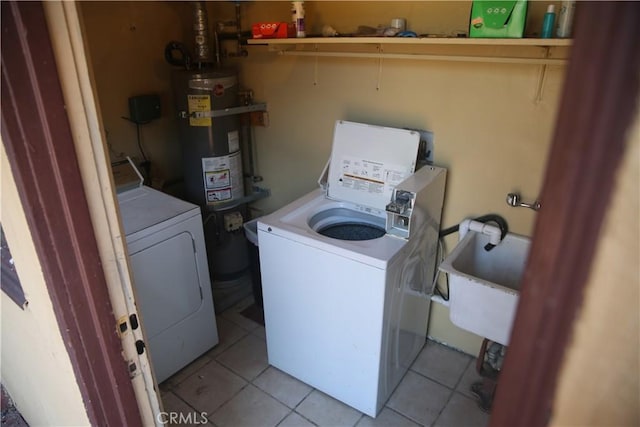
(172, 285)
(347, 270)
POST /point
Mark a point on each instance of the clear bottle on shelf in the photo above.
(565, 19)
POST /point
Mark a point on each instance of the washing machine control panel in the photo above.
(399, 212)
(410, 206)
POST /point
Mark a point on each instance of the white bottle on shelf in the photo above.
(565, 19)
(297, 16)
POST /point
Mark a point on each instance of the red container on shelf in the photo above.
(273, 30)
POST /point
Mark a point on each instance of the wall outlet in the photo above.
(144, 108)
(426, 146)
(425, 149)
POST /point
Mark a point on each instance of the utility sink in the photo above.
(484, 285)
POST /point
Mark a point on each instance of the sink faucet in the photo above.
(515, 200)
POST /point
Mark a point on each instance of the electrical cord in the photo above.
(144, 156)
(434, 285)
(140, 142)
(146, 164)
(437, 290)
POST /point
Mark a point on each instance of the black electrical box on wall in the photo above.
(144, 108)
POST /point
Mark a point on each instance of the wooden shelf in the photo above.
(526, 51)
(412, 41)
(516, 51)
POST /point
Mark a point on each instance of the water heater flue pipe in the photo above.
(202, 53)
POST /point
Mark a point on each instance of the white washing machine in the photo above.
(171, 277)
(347, 270)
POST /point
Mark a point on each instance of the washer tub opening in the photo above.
(347, 224)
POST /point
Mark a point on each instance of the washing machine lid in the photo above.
(368, 161)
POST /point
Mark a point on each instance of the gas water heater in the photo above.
(209, 110)
(212, 161)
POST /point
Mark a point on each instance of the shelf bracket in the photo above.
(315, 66)
(542, 77)
(381, 52)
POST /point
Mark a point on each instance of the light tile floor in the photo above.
(234, 384)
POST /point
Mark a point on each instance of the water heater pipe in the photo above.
(238, 29)
(201, 34)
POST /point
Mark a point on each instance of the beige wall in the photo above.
(126, 43)
(36, 369)
(489, 132)
(606, 341)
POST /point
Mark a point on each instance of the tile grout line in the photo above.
(231, 344)
(188, 404)
(230, 398)
(359, 419)
(274, 397)
(237, 373)
(464, 371)
(401, 415)
(430, 379)
(453, 392)
(302, 400)
(293, 411)
(285, 417)
(250, 383)
(174, 386)
(435, 420)
(224, 402)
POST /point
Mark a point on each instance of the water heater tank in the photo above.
(212, 163)
(210, 145)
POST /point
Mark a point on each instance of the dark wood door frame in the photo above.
(597, 109)
(40, 150)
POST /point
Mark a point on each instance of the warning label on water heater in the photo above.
(199, 104)
(222, 178)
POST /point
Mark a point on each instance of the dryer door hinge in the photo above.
(122, 326)
(133, 369)
(124, 323)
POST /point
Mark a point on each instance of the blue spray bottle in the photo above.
(549, 22)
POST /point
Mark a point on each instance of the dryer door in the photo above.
(166, 282)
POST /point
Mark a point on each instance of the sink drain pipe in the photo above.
(463, 227)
